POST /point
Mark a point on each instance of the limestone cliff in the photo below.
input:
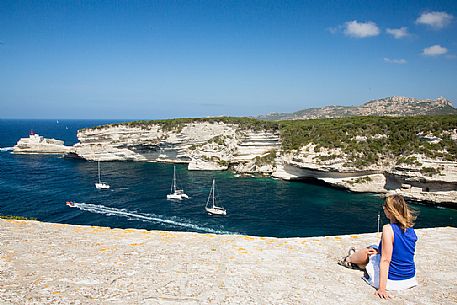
(40, 145)
(203, 145)
(218, 145)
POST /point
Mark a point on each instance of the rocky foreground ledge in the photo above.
(43, 263)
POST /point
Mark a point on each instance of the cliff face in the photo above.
(426, 179)
(204, 145)
(220, 146)
(36, 144)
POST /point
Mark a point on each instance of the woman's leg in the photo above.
(359, 257)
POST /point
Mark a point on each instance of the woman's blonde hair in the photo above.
(399, 209)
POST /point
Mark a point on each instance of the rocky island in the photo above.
(36, 144)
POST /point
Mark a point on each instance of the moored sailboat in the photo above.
(211, 206)
(176, 193)
(101, 185)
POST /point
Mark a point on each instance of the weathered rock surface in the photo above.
(416, 193)
(36, 144)
(204, 145)
(434, 180)
(43, 263)
(371, 183)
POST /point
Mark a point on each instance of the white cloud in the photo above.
(400, 61)
(398, 33)
(361, 29)
(434, 50)
(436, 20)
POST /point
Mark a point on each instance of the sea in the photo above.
(39, 185)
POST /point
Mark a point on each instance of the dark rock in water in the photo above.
(72, 155)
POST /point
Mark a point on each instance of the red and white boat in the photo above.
(71, 204)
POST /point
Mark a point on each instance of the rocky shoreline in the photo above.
(45, 263)
(36, 144)
(225, 146)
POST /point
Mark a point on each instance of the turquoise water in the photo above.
(38, 186)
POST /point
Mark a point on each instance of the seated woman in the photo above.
(390, 266)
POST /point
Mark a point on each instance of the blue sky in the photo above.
(164, 59)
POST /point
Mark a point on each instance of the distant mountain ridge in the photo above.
(389, 106)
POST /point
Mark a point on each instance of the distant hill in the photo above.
(389, 106)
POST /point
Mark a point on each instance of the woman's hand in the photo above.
(372, 251)
(382, 293)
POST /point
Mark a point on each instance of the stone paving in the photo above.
(44, 263)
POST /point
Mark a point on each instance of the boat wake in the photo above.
(6, 148)
(132, 215)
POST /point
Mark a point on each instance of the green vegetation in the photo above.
(411, 160)
(176, 125)
(365, 179)
(326, 158)
(266, 159)
(401, 137)
(219, 140)
(387, 137)
(223, 162)
(430, 171)
(360, 180)
(205, 158)
(16, 217)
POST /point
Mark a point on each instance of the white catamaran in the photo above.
(176, 193)
(101, 185)
(211, 206)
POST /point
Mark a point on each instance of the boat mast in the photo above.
(99, 178)
(173, 184)
(214, 193)
(211, 193)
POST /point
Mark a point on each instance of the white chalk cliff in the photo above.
(220, 146)
(203, 145)
(40, 145)
(215, 145)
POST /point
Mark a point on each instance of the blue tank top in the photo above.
(402, 265)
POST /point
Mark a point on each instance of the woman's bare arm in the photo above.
(386, 256)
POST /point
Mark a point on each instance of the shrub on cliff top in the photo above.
(179, 123)
(401, 136)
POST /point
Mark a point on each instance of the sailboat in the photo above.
(101, 185)
(211, 206)
(175, 192)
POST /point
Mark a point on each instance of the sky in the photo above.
(167, 59)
